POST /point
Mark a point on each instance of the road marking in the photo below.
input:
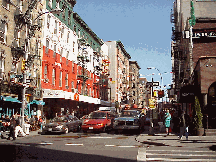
(99, 137)
(141, 155)
(126, 146)
(44, 143)
(178, 151)
(74, 144)
(110, 145)
(168, 159)
(180, 154)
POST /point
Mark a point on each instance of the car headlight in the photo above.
(84, 124)
(100, 124)
(59, 126)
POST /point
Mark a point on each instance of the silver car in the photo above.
(62, 124)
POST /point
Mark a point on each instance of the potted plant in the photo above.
(198, 116)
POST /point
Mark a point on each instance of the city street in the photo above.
(108, 147)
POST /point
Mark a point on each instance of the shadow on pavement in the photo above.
(31, 152)
(153, 143)
(213, 147)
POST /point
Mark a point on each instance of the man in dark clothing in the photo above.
(184, 124)
(12, 128)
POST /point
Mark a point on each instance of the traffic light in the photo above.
(161, 93)
(23, 65)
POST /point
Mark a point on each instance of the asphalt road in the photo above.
(79, 147)
(107, 147)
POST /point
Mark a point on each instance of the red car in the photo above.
(98, 121)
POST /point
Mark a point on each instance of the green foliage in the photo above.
(198, 116)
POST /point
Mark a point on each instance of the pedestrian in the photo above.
(167, 119)
(184, 124)
(12, 128)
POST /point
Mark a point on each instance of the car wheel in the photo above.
(66, 130)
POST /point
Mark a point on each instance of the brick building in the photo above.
(193, 55)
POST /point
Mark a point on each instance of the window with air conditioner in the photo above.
(54, 51)
(68, 37)
(3, 31)
(60, 79)
(53, 77)
(2, 63)
(48, 21)
(67, 57)
(47, 46)
(66, 81)
(45, 71)
(56, 27)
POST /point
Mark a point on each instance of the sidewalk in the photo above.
(31, 133)
(160, 139)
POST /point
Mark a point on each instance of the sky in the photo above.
(143, 26)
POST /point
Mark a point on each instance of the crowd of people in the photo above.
(13, 124)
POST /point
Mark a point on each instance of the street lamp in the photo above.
(24, 19)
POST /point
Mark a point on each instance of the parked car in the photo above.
(128, 119)
(99, 121)
(62, 124)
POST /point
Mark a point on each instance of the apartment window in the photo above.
(73, 46)
(69, 18)
(66, 81)
(62, 32)
(61, 53)
(21, 6)
(79, 33)
(74, 28)
(68, 36)
(67, 57)
(3, 31)
(53, 77)
(54, 51)
(45, 71)
(5, 4)
(48, 21)
(63, 13)
(37, 48)
(2, 62)
(73, 68)
(47, 46)
(72, 84)
(60, 79)
(56, 26)
(57, 3)
(50, 3)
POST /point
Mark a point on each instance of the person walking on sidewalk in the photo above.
(167, 121)
(184, 124)
(12, 128)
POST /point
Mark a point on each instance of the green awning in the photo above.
(11, 99)
(37, 102)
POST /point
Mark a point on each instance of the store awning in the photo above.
(11, 99)
(37, 102)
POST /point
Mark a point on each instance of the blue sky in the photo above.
(143, 26)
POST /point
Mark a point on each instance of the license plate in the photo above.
(90, 127)
(49, 129)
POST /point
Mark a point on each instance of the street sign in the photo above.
(155, 83)
(152, 83)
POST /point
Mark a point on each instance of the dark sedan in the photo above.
(129, 119)
(62, 124)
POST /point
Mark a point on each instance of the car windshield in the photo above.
(97, 115)
(59, 119)
(128, 113)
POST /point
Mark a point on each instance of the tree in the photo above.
(198, 116)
